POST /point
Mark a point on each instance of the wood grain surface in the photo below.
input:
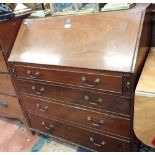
(3, 67)
(79, 116)
(6, 85)
(146, 82)
(80, 136)
(93, 41)
(12, 108)
(50, 58)
(144, 110)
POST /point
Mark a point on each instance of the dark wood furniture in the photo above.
(76, 75)
(9, 103)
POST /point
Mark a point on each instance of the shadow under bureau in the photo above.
(76, 75)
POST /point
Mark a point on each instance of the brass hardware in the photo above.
(40, 91)
(47, 127)
(128, 85)
(35, 76)
(87, 98)
(42, 109)
(97, 144)
(100, 100)
(96, 81)
(3, 104)
(100, 123)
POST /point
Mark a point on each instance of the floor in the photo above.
(15, 138)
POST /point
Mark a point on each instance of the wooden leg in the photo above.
(28, 129)
(33, 132)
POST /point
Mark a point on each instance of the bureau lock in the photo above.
(67, 23)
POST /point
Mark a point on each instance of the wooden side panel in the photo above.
(8, 33)
(153, 26)
(3, 67)
(6, 85)
(144, 44)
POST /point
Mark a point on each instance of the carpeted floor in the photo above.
(49, 144)
(14, 138)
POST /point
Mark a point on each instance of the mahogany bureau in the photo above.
(9, 103)
(76, 75)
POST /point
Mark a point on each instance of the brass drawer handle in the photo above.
(35, 76)
(51, 127)
(96, 81)
(40, 91)
(99, 100)
(95, 143)
(3, 104)
(100, 123)
(42, 109)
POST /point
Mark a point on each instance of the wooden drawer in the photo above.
(6, 85)
(3, 67)
(76, 96)
(89, 139)
(104, 82)
(10, 106)
(82, 117)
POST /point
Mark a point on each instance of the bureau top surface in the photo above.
(104, 41)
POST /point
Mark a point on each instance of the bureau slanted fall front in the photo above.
(77, 82)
